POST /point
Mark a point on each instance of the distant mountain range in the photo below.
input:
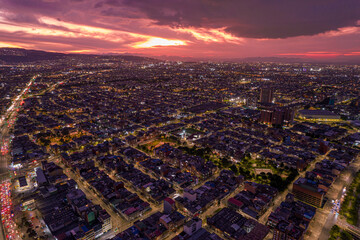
(20, 55)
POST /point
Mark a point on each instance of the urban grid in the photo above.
(179, 120)
(137, 148)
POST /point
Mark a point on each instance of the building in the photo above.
(23, 184)
(308, 191)
(288, 115)
(192, 226)
(169, 205)
(277, 116)
(266, 95)
(266, 116)
(320, 115)
(173, 220)
(233, 225)
(288, 231)
(235, 204)
(194, 231)
(291, 211)
(40, 177)
(105, 219)
(190, 194)
(83, 233)
(324, 147)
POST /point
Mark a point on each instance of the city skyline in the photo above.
(193, 29)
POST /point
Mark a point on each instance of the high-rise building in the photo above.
(266, 95)
(277, 116)
(308, 191)
(288, 115)
(266, 116)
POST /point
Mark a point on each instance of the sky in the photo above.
(213, 29)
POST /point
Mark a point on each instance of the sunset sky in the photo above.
(185, 28)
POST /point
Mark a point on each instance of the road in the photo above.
(354, 231)
(10, 114)
(325, 214)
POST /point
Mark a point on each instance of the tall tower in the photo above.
(266, 95)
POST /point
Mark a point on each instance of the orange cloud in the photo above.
(9, 45)
(342, 31)
(211, 35)
(158, 42)
(54, 27)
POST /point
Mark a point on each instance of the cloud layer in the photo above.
(255, 18)
(195, 28)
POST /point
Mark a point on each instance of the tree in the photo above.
(225, 162)
(234, 169)
(344, 235)
(277, 182)
(334, 232)
(334, 229)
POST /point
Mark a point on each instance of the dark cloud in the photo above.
(253, 18)
(21, 18)
(35, 5)
(242, 18)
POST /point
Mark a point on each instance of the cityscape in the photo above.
(164, 139)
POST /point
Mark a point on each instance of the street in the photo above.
(325, 216)
(9, 116)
